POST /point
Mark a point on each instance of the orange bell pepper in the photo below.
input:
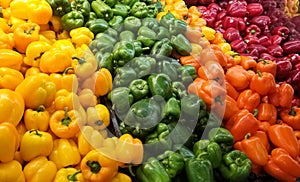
(37, 119)
(65, 80)
(282, 135)
(228, 108)
(248, 63)
(267, 66)
(267, 113)
(238, 77)
(264, 126)
(291, 117)
(189, 60)
(231, 91)
(242, 123)
(11, 59)
(262, 135)
(10, 78)
(212, 71)
(221, 58)
(248, 99)
(10, 141)
(263, 83)
(282, 96)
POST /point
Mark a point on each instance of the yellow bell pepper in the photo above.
(4, 24)
(6, 40)
(37, 90)
(89, 139)
(68, 175)
(103, 84)
(39, 11)
(35, 143)
(5, 3)
(129, 149)
(81, 35)
(24, 34)
(98, 116)
(66, 80)
(40, 169)
(87, 98)
(10, 141)
(10, 78)
(236, 56)
(65, 153)
(65, 123)
(19, 9)
(32, 71)
(121, 177)
(209, 33)
(21, 130)
(37, 119)
(11, 172)
(19, 158)
(63, 35)
(85, 63)
(12, 106)
(64, 98)
(55, 24)
(48, 36)
(34, 51)
(97, 167)
(225, 47)
(11, 59)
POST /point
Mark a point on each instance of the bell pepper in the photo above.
(139, 89)
(254, 148)
(86, 139)
(223, 137)
(261, 21)
(60, 7)
(139, 10)
(81, 35)
(142, 65)
(36, 119)
(10, 78)
(275, 50)
(34, 51)
(97, 25)
(11, 59)
(253, 30)
(235, 72)
(121, 106)
(231, 34)
(236, 166)
(68, 174)
(153, 9)
(238, 45)
(181, 44)
(97, 167)
(254, 9)
(124, 76)
(283, 31)
(171, 109)
(248, 99)
(10, 141)
(82, 6)
(39, 12)
(25, 34)
(121, 177)
(98, 116)
(60, 148)
(162, 47)
(71, 20)
(6, 40)
(64, 98)
(291, 47)
(123, 51)
(160, 84)
(173, 162)
(40, 141)
(121, 10)
(14, 173)
(205, 149)
(152, 170)
(265, 65)
(199, 170)
(241, 124)
(284, 69)
(295, 80)
(263, 83)
(267, 113)
(291, 117)
(282, 135)
(264, 40)
(87, 98)
(132, 23)
(102, 10)
(40, 169)
(66, 80)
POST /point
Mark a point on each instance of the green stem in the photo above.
(36, 132)
(67, 70)
(41, 108)
(80, 60)
(66, 120)
(255, 113)
(292, 112)
(94, 166)
(72, 177)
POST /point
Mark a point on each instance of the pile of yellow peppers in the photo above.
(52, 127)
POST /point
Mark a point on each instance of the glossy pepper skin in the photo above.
(123, 51)
(263, 83)
(102, 10)
(267, 112)
(120, 10)
(236, 166)
(248, 99)
(292, 46)
(223, 137)
(36, 119)
(82, 6)
(10, 141)
(181, 44)
(121, 106)
(14, 174)
(162, 47)
(198, 170)
(139, 89)
(160, 84)
(97, 25)
(139, 10)
(254, 9)
(171, 110)
(71, 20)
(173, 162)
(152, 170)
(147, 36)
(60, 7)
(291, 117)
(68, 174)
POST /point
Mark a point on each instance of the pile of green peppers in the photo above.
(211, 159)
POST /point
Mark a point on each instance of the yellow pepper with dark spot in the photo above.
(65, 153)
(11, 171)
(10, 78)
(68, 174)
(37, 119)
(10, 142)
(11, 59)
(40, 169)
(34, 52)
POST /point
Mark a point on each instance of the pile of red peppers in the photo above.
(258, 29)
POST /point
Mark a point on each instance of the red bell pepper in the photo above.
(275, 50)
(292, 46)
(229, 21)
(261, 21)
(213, 7)
(232, 34)
(253, 30)
(264, 40)
(205, 2)
(221, 14)
(294, 59)
(276, 39)
(283, 31)
(237, 8)
(261, 49)
(267, 56)
(254, 9)
(251, 39)
(238, 45)
(284, 68)
(242, 24)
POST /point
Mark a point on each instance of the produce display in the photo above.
(149, 90)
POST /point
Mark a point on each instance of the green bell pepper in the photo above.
(60, 7)
(199, 170)
(92, 16)
(173, 162)
(139, 49)
(126, 35)
(185, 152)
(167, 19)
(129, 3)
(102, 43)
(104, 60)
(160, 84)
(121, 10)
(111, 3)
(210, 150)
(146, 1)
(102, 10)
(162, 47)
(139, 10)
(151, 23)
(236, 166)
(179, 90)
(171, 110)
(177, 26)
(152, 171)
(146, 36)
(167, 68)
(188, 74)
(158, 141)
(132, 23)
(223, 137)
(152, 11)
(143, 65)
(82, 6)
(116, 22)
(97, 25)
(139, 89)
(123, 76)
(182, 132)
(144, 114)
(135, 131)
(181, 44)
(111, 32)
(72, 20)
(123, 52)
(162, 33)
(121, 100)
(191, 104)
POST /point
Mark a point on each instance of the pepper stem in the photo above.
(94, 166)
(248, 135)
(253, 32)
(66, 120)
(67, 70)
(40, 108)
(28, 31)
(99, 122)
(292, 112)
(80, 60)
(72, 177)
(36, 132)
(255, 113)
(259, 73)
